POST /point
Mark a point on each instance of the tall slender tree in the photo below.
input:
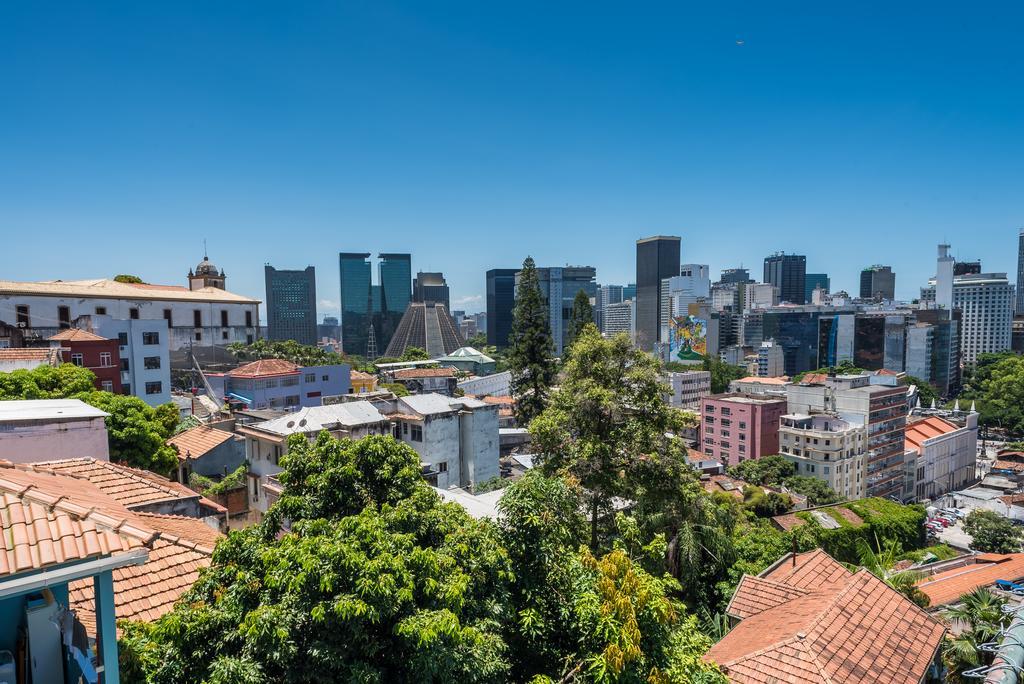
(531, 350)
(582, 314)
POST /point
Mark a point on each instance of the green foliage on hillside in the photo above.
(289, 350)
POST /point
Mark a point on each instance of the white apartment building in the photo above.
(34, 430)
(457, 439)
(760, 296)
(620, 318)
(946, 454)
(827, 448)
(771, 360)
(688, 388)
(200, 317)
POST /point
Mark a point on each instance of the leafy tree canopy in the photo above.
(844, 368)
(992, 532)
(126, 278)
(769, 471)
(721, 373)
(582, 315)
(414, 354)
(289, 350)
(46, 382)
(397, 388)
(996, 383)
(478, 341)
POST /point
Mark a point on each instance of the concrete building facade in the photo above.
(738, 427)
(657, 258)
(827, 448)
(945, 454)
(688, 388)
(280, 384)
(36, 430)
(291, 304)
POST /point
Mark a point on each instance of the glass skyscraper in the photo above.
(657, 258)
(356, 309)
(501, 297)
(291, 304)
(788, 272)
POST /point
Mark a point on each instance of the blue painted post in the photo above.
(106, 626)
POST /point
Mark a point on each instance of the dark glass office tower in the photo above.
(356, 310)
(501, 296)
(395, 278)
(735, 275)
(815, 280)
(291, 304)
(431, 287)
(788, 272)
(657, 258)
(796, 331)
(877, 282)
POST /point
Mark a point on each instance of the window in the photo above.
(726, 411)
(743, 448)
(154, 387)
(105, 359)
(199, 336)
(151, 362)
(743, 425)
(310, 377)
(150, 338)
(64, 316)
(22, 313)
(709, 420)
(133, 314)
(223, 318)
(122, 339)
(124, 364)
(107, 386)
(248, 319)
(417, 433)
(101, 311)
(224, 335)
(167, 317)
(442, 467)
(405, 428)
(77, 360)
(324, 378)
(126, 389)
(197, 319)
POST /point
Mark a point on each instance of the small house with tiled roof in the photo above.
(280, 384)
(947, 581)
(97, 353)
(28, 358)
(425, 380)
(207, 451)
(807, 619)
(946, 454)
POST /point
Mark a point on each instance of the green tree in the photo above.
(722, 374)
(769, 471)
(531, 350)
(126, 278)
(882, 564)
(817, 491)
(137, 432)
(925, 392)
(289, 350)
(384, 583)
(996, 383)
(46, 382)
(980, 617)
(606, 425)
(992, 532)
(582, 315)
(478, 341)
(766, 504)
(414, 354)
(844, 368)
(397, 388)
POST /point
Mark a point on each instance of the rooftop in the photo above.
(317, 418)
(412, 373)
(42, 355)
(77, 335)
(946, 587)
(809, 619)
(198, 441)
(111, 289)
(47, 409)
(264, 368)
(468, 353)
(739, 398)
(764, 381)
(920, 431)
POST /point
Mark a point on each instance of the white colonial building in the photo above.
(945, 454)
(200, 317)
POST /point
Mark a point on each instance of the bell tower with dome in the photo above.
(206, 274)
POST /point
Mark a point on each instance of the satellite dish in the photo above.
(291, 423)
(302, 423)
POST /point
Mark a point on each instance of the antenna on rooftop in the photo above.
(205, 253)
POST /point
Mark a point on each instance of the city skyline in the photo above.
(284, 135)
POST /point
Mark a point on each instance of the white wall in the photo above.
(82, 438)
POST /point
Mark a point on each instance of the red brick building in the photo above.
(739, 427)
(91, 351)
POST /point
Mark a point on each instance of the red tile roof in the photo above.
(946, 587)
(41, 354)
(827, 625)
(410, 373)
(48, 519)
(921, 430)
(146, 592)
(77, 335)
(129, 486)
(265, 367)
(198, 441)
(813, 379)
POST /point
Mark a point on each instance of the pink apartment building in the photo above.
(739, 427)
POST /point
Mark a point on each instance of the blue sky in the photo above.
(472, 134)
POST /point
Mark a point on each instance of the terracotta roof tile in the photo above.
(264, 367)
(198, 441)
(948, 586)
(921, 430)
(129, 486)
(77, 335)
(837, 627)
(44, 355)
